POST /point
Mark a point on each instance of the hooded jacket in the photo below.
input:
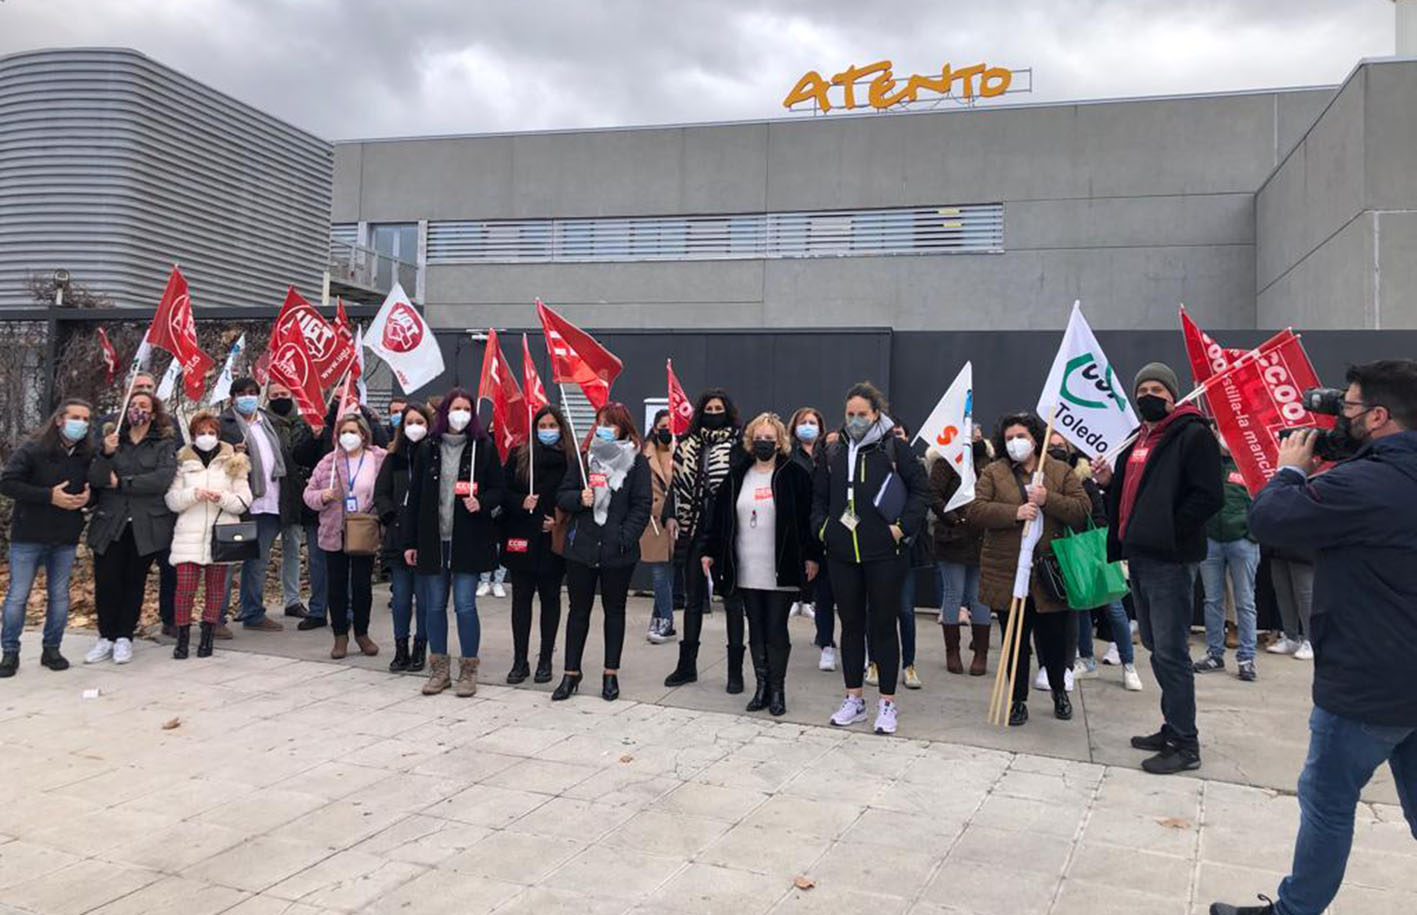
(1358, 520)
(30, 475)
(879, 455)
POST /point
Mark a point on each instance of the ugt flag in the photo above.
(400, 337)
(950, 431)
(290, 364)
(174, 330)
(1091, 412)
(328, 352)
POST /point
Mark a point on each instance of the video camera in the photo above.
(1335, 444)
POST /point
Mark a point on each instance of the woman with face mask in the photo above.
(1005, 501)
(609, 508)
(450, 534)
(657, 542)
(131, 524)
(702, 459)
(759, 533)
(211, 488)
(534, 473)
(869, 500)
(808, 430)
(343, 484)
(390, 494)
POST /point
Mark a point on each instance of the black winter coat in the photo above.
(792, 502)
(29, 478)
(391, 495)
(1181, 487)
(525, 546)
(616, 543)
(872, 540)
(145, 471)
(474, 546)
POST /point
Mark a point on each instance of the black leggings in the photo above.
(767, 621)
(526, 586)
(120, 577)
(868, 593)
(614, 588)
(1051, 630)
(349, 585)
(696, 599)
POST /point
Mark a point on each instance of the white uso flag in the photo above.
(168, 383)
(1092, 413)
(359, 361)
(401, 337)
(950, 431)
(222, 389)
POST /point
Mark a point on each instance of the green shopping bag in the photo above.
(1091, 580)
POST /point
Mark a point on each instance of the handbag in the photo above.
(235, 542)
(1091, 581)
(363, 535)
(1050, 578)
(560, 526)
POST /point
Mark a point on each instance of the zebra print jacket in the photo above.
(701, 463)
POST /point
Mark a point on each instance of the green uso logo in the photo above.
(1090, 380)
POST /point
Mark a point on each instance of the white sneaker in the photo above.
(828, 659)
(1305, 651)
(885, 718)
(1283, 645)
(1081, 670)
(807, 611)
(1041, 681)
(1112, 658)
(794, 610)
(122, 651)
(483, 588)
(102, 650)
(498, 590)
(1130, 678)
(853, 709)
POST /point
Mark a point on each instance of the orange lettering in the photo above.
(947, 436)
(1002, 77)
(966, 77)
(810, 86)
(847, 78)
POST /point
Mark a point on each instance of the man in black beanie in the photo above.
(1165, 487)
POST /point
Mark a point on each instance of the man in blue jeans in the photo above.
(1358, 519)
(1229, 547)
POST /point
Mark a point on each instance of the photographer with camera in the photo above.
(1358, 520)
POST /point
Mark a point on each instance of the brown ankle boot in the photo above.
(366, 645)
(341, 647)
(467, 678)
(952, 661)
(438, 678)
(980, 643)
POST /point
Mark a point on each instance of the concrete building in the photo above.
(1255, 209)
(114, 167)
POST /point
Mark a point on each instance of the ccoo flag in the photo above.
(950, 431)
(1091, 412)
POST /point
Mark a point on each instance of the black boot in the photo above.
(179, 651)
(1018, 714)
(568, 686)
(204, 642)
(735, 670)
(51, 658)
(777, 680)
(400, 662)
(543, 668)
(9, 664)
(760, 673)
(418, 656)
(519, 672)
(1062, 706)
(609, 687)
(687, 671)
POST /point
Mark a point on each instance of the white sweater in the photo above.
(227, 475)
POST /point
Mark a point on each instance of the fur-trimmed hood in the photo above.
(236, 464)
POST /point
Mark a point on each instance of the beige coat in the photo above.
(655, 544)
(227, 475)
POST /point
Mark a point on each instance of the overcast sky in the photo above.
(358, 68)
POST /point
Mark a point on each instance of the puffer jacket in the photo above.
(997, 495)
(227, 475)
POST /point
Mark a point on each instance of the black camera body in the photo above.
(1334, 444)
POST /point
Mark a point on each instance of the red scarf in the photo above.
(1136, 463)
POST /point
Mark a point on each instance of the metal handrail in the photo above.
(358, 265)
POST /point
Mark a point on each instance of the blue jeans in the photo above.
(253, 571)
(907, 616)
(499, 576)
(405, 596)
(290, 537)
(1164, 596)
(661, 577)
(315, 563)
(463, 586)
(25, 558)
(1343, 754)
(1242, 558)
(959, 587)
(1121, 632)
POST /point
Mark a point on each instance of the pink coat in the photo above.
(331, 466)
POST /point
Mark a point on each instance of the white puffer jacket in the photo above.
(227, 475)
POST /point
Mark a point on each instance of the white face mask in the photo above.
(350, 441)
(206, 441)
(1020, 449)
(458, 419)
(414, 433)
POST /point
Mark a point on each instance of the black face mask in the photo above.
(280, 406)
(714, 420)
(763, 450)
(663, 436)
(1152, 408)
(1061, 454)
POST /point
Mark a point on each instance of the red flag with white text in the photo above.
(1205, 355)
(499, 385)
(577, 357)
(681, 411)
(329, 352)
(110, 355)
(289, 363)
(174, 330)
(532, 388)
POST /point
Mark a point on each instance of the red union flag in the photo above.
(109, 354)
(681, 412)
(174, 330)
(1207, 357)
(289, 364)
(399, 336)
(499, 385)
(329, 352)
(342, 327)
(532, 388)
(1256, 397)
(575, 356)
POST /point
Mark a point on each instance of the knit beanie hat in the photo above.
(1158, 371)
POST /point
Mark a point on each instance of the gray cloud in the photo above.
(359, 68)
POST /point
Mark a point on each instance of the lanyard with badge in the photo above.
(351, 501)
(849, 518)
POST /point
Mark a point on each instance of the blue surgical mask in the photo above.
(395, 420)
(548, 437)
(246, 404)
(807, 432)
(606, 433)
(76, 429)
